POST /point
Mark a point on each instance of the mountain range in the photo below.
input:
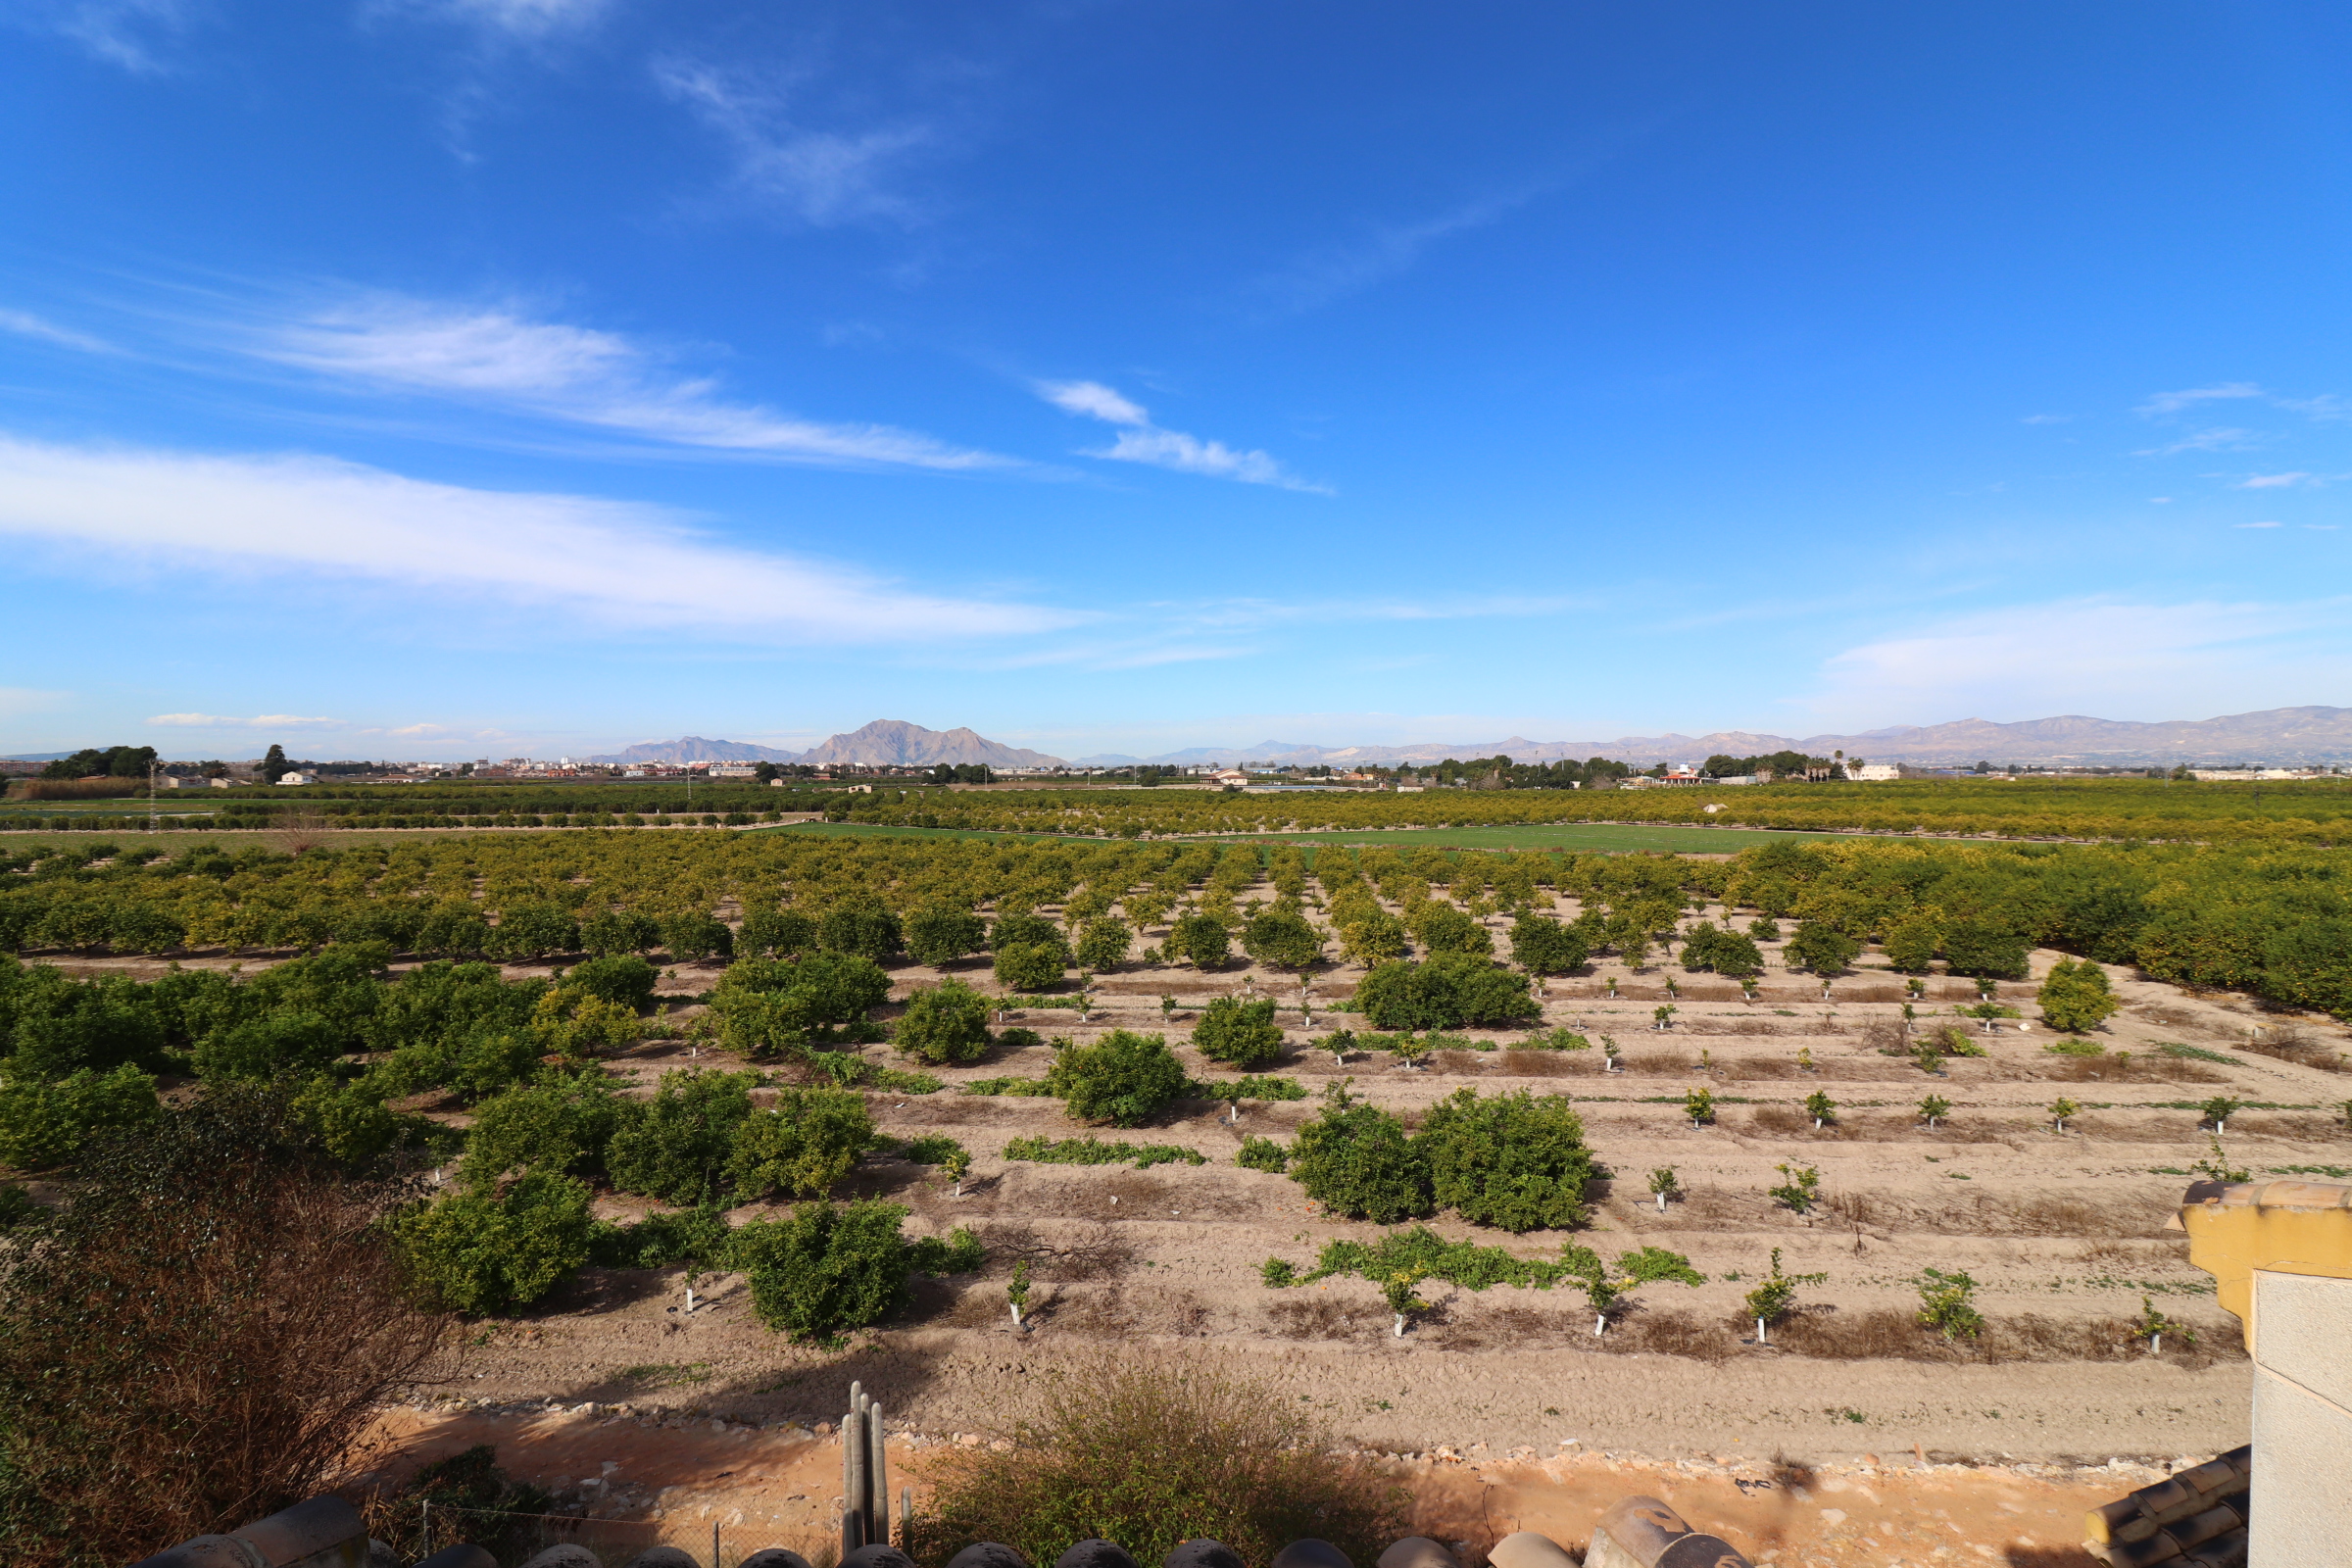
(2277, 737)
(885, 743)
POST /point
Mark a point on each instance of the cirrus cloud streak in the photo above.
(615, 565)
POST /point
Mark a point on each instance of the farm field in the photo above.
(2059, 1230)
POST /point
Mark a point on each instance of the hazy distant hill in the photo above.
(885, 743)
(695, 748)
(2277, 736)
(895, 743)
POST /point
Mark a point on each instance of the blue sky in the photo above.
(456, 377)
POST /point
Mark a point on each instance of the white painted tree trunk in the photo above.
(1759, 1330)
(1398, 1331)
(1016, 1314)
(2155, 1345)
(1601, 1321)
(689, 1298)
(1661, 1202)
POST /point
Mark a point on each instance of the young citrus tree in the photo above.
(2076, 997)
(1769, 1301)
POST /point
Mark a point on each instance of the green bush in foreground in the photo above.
(45, 1124)
(827, 1269)
(1446, 991)
(1151, 1453)
(1517, 1161)
(1238, 1032)
(488, 1253)
(801, 1146)
(946, 1023)
(1356, 1159)
(1124, 1079)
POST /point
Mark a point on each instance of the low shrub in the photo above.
(1124, 1079)
(1240, 1033)
(1356, 1159)
(801, 1146)
(946, 1023)
(1514, 1160)
(621, 977)
(827, 1269)
(488, 1253)
(1094, 1151)
(1151, 1453)
(1262, 1153)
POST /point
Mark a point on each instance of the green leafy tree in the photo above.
(1541, 945)
(2076, 997)
(774, 933)
(801, 1146)
(1822, 947)
(1517, 1161)
(1201, 940)
(868, 930)
(623, 978)
(489, 1252)
(274, 766)
(1821, 1107)
(615, 931)
(943, 1024)
(1103, 942)
(1912, 940)
(1935, 1108)
(1443, 992)
(1025, 967)
(1700, 1106)
(44, 1124)
(1124, 1079)
(1281, 939)
(695, 935)
(1374, 937)
(1356, 1159)
(560, 1125)
(941, 933)
(827, 1268)
(1986, 947)
(676, 1146)
(534, 929)
(1442, 928)
(1242, 1034)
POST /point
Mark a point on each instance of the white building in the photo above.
(1875, 773)
(733, 770)
(296, 778)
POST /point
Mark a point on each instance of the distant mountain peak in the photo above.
(884, 743)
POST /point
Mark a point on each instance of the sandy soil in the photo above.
(691, 1482)
(2061, 1231)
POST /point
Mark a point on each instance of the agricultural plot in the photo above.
(1278, 1112)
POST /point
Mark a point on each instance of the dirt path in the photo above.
(672, 1481)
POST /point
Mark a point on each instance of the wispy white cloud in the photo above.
(258, 721)
(822, 178)
(2258, 526)
(2112, 657)
(1334, 271)
(130, 33)
(592, 563)
(2276, 481)
(24, 323)
(2164, 402)
(2223, 439)
(528, 20)
(501, 356)
(2045, 419)
(1141, 441)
